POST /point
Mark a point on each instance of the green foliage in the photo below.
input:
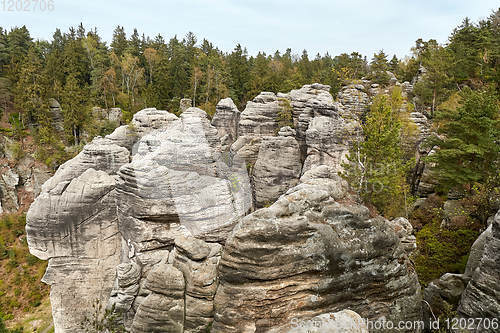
(4, 329)
(74, 109)
(468, 149)
(19, 270)
(376, 168)
(441, 250)
(285, 117)
(432, 86)
(378, 68)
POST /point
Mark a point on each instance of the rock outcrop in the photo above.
(278, 166)
(354, 98)
(311, 252)
(112, 214)
(8, 193)
(156, 221)
(328, 141)
(226, 119)
(481, 296)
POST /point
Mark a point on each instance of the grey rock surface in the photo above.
(313, 251)
(226, 120)
(73, 225)
(355, 99)
(328, 141)
(277, 168)
(9, 180)
(481, 298)
(185, 104)
(163, 309)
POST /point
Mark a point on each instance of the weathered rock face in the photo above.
(113, 115)
(481, 296)
(277, 168)
(150, 221)
(185, 104)
(328, 141)
(226, 120)
(57, 115)
(443, 294)
(8, 192)
(314, 251)
(74, 226)
(259, 119)
(355, 99)
(163, 308)
(102, 215)
(177, 185)
(260, 116)
(308, 102)
(198, 263)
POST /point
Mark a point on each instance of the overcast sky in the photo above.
(266, 25)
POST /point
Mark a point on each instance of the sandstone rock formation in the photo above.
(278, 166)
(355, 98)
(481, 296)
(8, 193)
(311, 252)
(156, 221)
(185, 104)
(57, 115)
(226, 119)
(328, 141)
(123, 204)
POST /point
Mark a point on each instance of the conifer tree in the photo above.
(469, 149)
(376, 167)
(379, 68)
(74, 108)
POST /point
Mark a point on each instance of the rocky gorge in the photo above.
(239, 223)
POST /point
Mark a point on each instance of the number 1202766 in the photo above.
(27, 5)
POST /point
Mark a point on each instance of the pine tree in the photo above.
(30, 95)
(119, 43)
(376, 167)
(469, 149)
(74, 108)
(379, 68)
(239, 72)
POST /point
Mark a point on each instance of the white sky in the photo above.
(265, 25)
